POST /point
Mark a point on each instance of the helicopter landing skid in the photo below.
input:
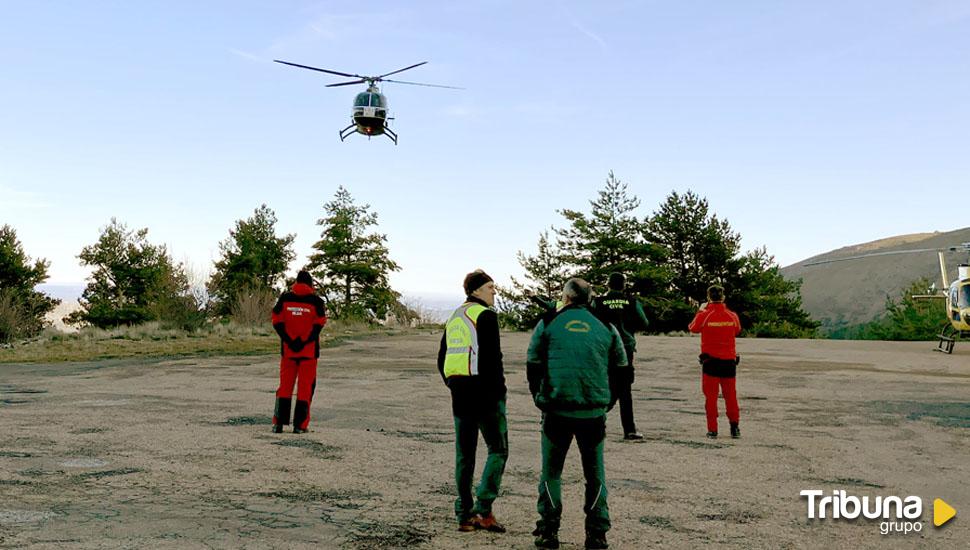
(352, 129)
(948, 338)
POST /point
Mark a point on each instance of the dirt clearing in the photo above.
(179, 454)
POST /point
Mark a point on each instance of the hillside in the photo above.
(856, 290)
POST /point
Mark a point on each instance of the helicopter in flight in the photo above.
(369, 113)
(956, 294)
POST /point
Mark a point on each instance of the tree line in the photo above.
(669, 258)
(135, 281)
(904, 318)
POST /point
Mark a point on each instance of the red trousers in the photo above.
(710, 384)
(302, 372)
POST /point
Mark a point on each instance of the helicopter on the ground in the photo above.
(956, 294)
(370, 106)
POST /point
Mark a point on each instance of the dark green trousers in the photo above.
(557, 435)
(495, 432)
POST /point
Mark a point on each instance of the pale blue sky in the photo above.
(808, 125)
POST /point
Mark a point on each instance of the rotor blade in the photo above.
(317, 69)
(345, 83)
(421, 84)
(891, 253)
(402, 70)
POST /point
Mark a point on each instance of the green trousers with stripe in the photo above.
(494, 429)
(557, 435)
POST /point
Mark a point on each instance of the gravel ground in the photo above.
(179, 454)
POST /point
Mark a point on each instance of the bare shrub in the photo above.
(414, 313)
(253, 306)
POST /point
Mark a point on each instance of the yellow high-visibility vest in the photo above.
(461, 338)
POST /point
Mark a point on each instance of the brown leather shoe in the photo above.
(489, 523)
(467, 525)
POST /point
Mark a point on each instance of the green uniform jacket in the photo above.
(571, 360)
(625, 313)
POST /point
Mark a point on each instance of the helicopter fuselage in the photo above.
(958, 305)
(369, 115)
(370, 112)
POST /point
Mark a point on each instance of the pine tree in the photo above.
(909, 318)
(132, 280)
(610, 239)
(352, 262)
(768, 305)
(545, 276)
(22, 309)
(253, 261)
(700, 250)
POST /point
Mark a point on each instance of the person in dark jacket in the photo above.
(298, 317)
(719, 360)
(470, 363)
(626, 314)
(571, 360)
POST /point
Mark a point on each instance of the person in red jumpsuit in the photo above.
(298, 318)
(719, 360)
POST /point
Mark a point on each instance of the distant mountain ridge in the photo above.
(855, 291)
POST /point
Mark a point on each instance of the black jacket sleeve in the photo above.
(441, 357)
(490, 366)
(489, 344)
(535, 359)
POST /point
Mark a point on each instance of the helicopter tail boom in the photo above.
(946, 283)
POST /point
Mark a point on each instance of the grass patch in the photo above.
(150, 340)
(945, 414)
(15, 454)
(108, 473)
(250, 420)
(659, 522)
(732, 516)
(339, 498)
(685, 443)
(378, 534)
(315, 448)
(843, 481)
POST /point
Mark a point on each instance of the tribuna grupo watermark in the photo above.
(897, 515)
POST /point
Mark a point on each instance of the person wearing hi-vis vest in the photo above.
(470, 363)
(719, 360)
(572, 365)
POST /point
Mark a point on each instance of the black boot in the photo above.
(300, 416)
(735, 431)
(712, 435)
(546, 539)
(281, 413)
(596, 540)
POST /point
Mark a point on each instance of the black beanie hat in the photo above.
(304, 277)
(474, 281)
(617, 280)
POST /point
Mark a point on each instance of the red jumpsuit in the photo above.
(718, 326)
(298, 317)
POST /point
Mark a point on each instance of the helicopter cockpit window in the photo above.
(376, 101)
(362, 100)
(965, 296)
